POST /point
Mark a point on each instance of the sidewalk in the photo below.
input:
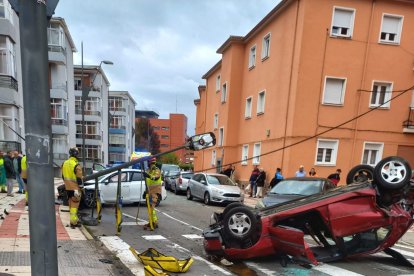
(78, 252)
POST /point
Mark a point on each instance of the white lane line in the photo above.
(334, 270)
(182, 222)
(192, 236)
(121, 249)
(263, 270)
(198, 258)
(403, 246)
(406, 253)
(140, 221)
(154, 237)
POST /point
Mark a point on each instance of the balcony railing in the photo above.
(120, 109)
(56, 49)
(409, 123)
(117, 127)
(60, 156)
(59, 122)
(89, 136)
(8, 82)
(88, 112)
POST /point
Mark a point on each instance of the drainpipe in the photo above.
(290, 83)
(359, 93)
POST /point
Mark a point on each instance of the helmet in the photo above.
(74, 152)
(153, 160)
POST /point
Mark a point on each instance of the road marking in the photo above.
(141, 221)
(334, 270)
(121, 249)
(192, 236)
(154, 237)
(133, 223)
(182, 222)
(260, 268)
(404, 252)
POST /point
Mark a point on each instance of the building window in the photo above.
(55, 35)
(117, 139)
(266, 47)
(117, 121)
(248, 110)
(164, 145)
(156, 128)
(224, 93)
(213, 158)
(381, 94)
(78, 83)
(165, 137)
(92, 106)
(93, 153)
(342, 22)
(60, 146)
(245, 154)
(261, 103)
(218, 83)
(6, 10)
(7, 57)
(165, 128)
(372, 153)
(92, 130)
(256, 153)
(326, 152)
(252, 57)
(221, 137)
(334, 92)
(391, 29)
(58, 109)
(215, 120)
(117, 104)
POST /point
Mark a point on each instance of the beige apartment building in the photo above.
(321, 83)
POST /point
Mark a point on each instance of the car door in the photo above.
(203, 186)
(137, 186)
(195, 184)
(110, 185)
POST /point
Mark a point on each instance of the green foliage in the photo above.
(187, 167)
(169, 158)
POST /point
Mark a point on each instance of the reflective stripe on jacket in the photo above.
(155, 177)
(24, 167)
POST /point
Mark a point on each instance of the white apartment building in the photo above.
(11, 96)
(60, 52)
(96, 113)
(121, 126)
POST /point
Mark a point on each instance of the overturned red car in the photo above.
(368, 215)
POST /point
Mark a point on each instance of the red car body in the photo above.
(346, 221)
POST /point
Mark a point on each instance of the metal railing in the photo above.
(409, 123)
(117, 126)
(59, 122)
(56, 49)
(8, 82)
(119, 109)
(88, 112)
(89, 136)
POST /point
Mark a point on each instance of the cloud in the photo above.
(160, 49)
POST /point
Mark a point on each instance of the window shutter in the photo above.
(342, 18)
(333, 91)
(390, 25)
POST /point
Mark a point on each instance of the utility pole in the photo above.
(34, 51)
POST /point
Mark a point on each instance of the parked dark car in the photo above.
(169, 173)
(357, 219)
(295, 187)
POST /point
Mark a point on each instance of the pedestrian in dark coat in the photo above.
(260, 182)
(252, 180)
(10, 173)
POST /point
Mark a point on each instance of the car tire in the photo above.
(189, 195)
(352, 176)
(239, 223)
(206, 198)
(392, 173)
(89, 199)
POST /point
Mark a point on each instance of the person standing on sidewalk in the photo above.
(154, 184)
(260, 182)
(17, 158)
(72, 177)
(2, 174)
(253, 177)
(10, 173)
(24, 177)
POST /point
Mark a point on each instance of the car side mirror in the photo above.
(201, 141)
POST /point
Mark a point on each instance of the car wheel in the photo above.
(239, 223)
(159, 200)
(360, 174)
(206, 198)
(89, 199)
(189, 195)
(392, 173)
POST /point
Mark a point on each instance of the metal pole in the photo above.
(83, 101)
(42, 218)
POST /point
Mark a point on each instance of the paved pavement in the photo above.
(78, 252)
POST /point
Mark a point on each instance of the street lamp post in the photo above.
(85, 95)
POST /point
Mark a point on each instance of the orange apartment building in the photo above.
(172, 133)
(319, 71)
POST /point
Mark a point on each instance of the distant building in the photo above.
(145, 114)
(308, 67)
(121, 126)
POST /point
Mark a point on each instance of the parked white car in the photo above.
(180, 183)
(132, 188)
(213, 187)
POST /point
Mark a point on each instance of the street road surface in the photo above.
(179, 235)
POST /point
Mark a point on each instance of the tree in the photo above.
(169, 158)
(145, 136)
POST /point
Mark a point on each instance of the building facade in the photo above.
(60, 53)
(324, 84)
(121, 126)
(11, 89)
(96, 114)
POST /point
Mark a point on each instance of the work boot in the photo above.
(73, 226)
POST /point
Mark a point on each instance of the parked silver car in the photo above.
(180, 183)
(213, 187)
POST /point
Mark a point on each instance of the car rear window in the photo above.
(297, 187)
(187, 175)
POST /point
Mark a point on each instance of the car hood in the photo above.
(272, 199)
(227, 188)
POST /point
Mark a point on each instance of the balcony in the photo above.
(408, 125)
(89, 136)
(57, 54)
(78, 111)
(117, 109)
(8, 82)
(59, 122)
(10, 145)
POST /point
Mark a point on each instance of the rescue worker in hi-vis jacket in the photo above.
(72, 177)
(154, 183)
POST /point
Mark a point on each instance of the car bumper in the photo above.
(223, 199)
(182, 187)
(213, 243)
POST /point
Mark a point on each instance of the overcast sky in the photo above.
(160, 48)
